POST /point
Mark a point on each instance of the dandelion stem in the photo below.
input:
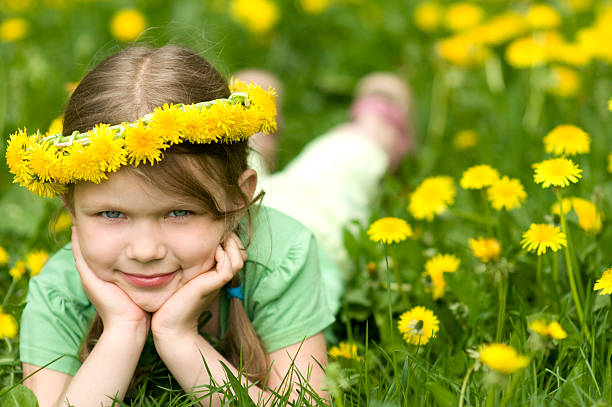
(556, 268)
(389, 293)
(539, 270)
(490, 396)
(535, 101)
(9, 292)
(483, 195)
(510, 390)
(493, 74)
(10, 351)
(437, 116)
(464, 385)
(501, 313)
(570, 270)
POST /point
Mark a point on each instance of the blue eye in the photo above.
(179, 213)
(111, 214)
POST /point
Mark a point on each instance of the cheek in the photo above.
(99, 251)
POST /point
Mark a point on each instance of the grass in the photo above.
(510, 110)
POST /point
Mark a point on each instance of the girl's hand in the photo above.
(113, 305)
(179, 315)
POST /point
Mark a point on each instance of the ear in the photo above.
(248, 182)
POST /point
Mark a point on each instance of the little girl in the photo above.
(162, 203)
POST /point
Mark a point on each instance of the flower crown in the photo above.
(46, 164)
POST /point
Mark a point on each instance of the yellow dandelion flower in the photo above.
(525, 53)
(465, 139)
(540, 237)
(127, 24)
(558, 172)
(556, 331)
(434, 273)
(604, 283)
(506, 193)
(589, 217)
(567, 139)
(478, 177)
(82, 165)
(418, 325)
(258, 16)
(18, 270)
(43, 161)
(543, 17)
(35, 261)
(167, 123)
(8, 325)
(56, 126)
(502, 358)
(63, 222)
(107, 149)
(442, 263)
(314, 6)
(501, 28)
(389, 230)
(552, 329)
(14, 29)
(575, 54)
(434, 283)
(432, 197)
(610, 162)
(344, 350)
(46, 189)
(463, 50)
(194, 124)
(485, 249)
(463, 15)
(565, 83)
(143, 145)
(16, 150)
(610, 104)
(428, 16)
(566, 204)
(539, 326)
(4, 257)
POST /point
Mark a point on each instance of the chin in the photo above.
(149, 302)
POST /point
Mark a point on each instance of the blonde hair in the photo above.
(133, 83)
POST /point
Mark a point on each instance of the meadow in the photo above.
(484, 275)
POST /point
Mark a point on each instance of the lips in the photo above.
(148, 280)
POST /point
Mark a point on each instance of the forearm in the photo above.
(107, 371)
(184, 357)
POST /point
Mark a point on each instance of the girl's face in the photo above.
(145, 241)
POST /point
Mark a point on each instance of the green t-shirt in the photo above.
(283, 283)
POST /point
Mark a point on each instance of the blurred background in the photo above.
(491, 79)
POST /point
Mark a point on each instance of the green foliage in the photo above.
(320, 59)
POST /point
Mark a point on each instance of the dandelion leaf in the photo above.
(19, 396)
(442, 396)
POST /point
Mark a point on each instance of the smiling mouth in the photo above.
(149, 280)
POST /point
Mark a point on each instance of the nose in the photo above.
(145, 243)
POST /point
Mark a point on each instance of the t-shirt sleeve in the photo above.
(56, 317)
(287, 299)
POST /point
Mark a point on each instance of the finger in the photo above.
(224, 267)
(233, 246)
(243, 251)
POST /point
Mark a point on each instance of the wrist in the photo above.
(133, 332)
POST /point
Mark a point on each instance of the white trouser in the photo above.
(330, 183)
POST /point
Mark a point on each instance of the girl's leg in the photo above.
(336, 176)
